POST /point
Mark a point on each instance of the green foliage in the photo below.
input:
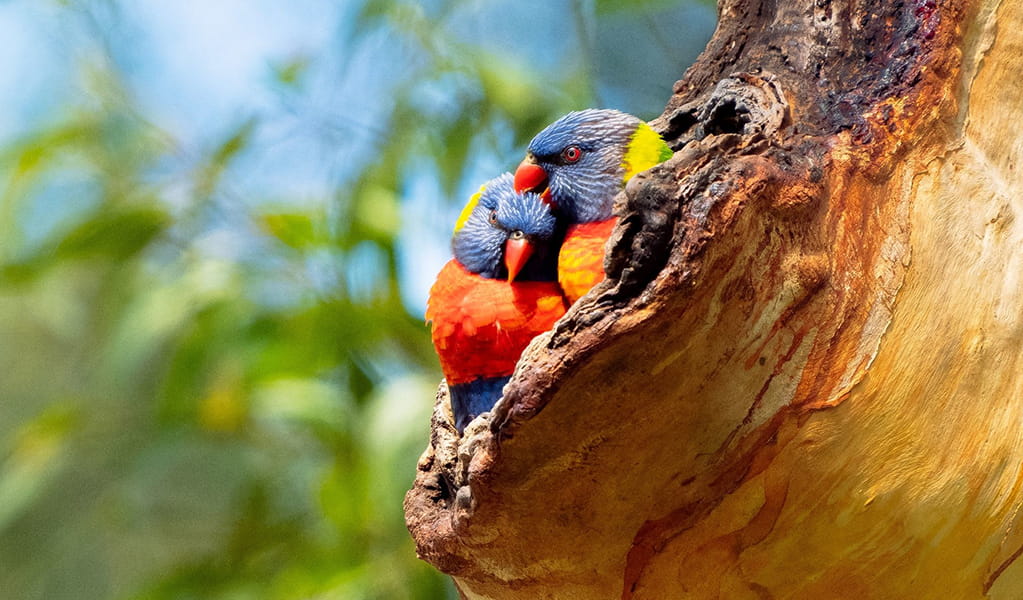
(188, 417)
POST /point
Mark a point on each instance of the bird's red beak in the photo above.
(530, 177)
(516, 255)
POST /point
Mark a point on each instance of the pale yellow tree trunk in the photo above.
(804, 376)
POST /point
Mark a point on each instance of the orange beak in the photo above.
(516, 255)
(530, 177)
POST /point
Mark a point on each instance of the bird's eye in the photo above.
(517, 235)
(493, 217)
(571, 154)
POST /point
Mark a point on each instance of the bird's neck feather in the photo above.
(645, 150)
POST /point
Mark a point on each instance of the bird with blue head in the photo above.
(578, 164)
(498, 292)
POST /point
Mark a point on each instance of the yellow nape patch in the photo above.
(645, 150)
(469, 206)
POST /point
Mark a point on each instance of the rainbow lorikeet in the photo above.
(498, 293)
(578, 164)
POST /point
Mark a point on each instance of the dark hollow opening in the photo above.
(727, 117)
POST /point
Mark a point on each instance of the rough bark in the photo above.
(804, 375)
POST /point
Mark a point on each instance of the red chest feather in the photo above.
(581, 260)
(481, 326)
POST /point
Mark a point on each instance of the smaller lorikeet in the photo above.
(498, 293)
(578, 164)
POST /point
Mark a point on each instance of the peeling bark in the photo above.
(803, 377)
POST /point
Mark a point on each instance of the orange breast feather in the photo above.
(481, 326)
(581, 260)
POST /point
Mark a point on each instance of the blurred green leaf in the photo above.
(453, 151)
(297, 230)
(291, 71)
(116, 233)
(35, 150)
(509, 86)
(112, 233)
(377, 213)
(301, 401)
(236, 141)
(32, 460)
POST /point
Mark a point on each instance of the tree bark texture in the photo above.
(803, 377)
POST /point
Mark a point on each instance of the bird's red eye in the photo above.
(493, 217)
(571, 154)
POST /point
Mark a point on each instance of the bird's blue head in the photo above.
(506, 234)
(582, 160)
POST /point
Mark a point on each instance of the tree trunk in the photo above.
(803, 377)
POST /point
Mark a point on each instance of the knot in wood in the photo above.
(746, 104)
